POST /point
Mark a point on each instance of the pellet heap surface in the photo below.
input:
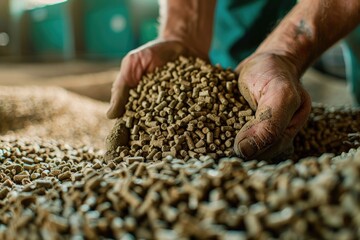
(184, 109)
(53, 113)
(50, 190)
(51, 187)
(328, 130)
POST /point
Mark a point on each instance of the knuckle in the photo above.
(290, 93)
(146, 53)
(268, 135)
(131, 56)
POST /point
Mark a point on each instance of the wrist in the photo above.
(310, 28)
(294, 42)
(189, 22)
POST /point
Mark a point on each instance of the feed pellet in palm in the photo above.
(56, 184)
(186, 109)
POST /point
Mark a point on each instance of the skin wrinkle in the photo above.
(264, 88)
(257, 143)
(288, 90)
(291, 98)
(295, 124)
(264, 140)
(284, 139)
(252, 95)
(293, 127)
(264, 79)
(267, 80)
(266, 137)
(251, 141)
(273, 132)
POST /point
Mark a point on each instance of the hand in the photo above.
(139, 61)
(270, 83)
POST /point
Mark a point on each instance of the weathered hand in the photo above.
(270, 83)
(139, 61)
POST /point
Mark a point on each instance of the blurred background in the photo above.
(78, 44)
(67, 29)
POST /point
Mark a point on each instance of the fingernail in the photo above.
(246, 148)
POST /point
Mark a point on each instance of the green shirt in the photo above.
(240, 26)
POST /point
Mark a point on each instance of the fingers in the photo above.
(303, 112)
(257, 135)
(244, 88)
(283, 147)
(132, 68)
(279, 116)
(141, 60)
(265, 145)
(119, 97)
(245, 92)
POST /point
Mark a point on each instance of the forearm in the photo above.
(189, 21)
(310, 28)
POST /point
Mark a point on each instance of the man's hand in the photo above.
(185, 29)
(269, 79)
(270, 83)
(137, 63)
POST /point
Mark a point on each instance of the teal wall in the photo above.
(94, 29)
(51, 31)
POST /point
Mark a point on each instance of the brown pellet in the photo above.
(20, 177)
(27, 160)
(200, 134)
(189, 141)
(160, 106)
(3, 192)
(64, 176)
(200, 150)
(44, 183)
(200, 143)
(244, 113)
(130, 160)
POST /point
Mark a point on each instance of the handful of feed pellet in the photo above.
(184, 109)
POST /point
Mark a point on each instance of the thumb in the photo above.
(263, 140)
(131, 70)
(119, 97)
(259, 134)
(278, 118)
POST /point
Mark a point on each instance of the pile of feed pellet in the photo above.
(54, 113)
(185, 109)
(56, 184)
(50, 190)
(328, 129)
